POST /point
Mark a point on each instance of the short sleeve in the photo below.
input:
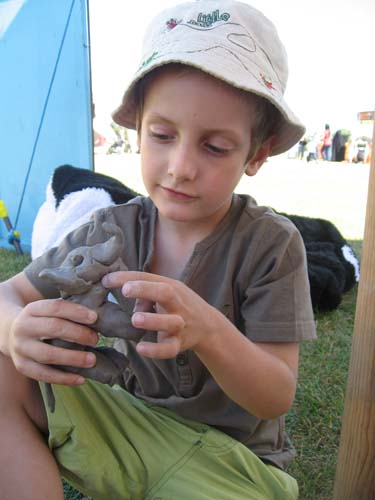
(277, 302)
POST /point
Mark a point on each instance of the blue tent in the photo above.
(45, 102)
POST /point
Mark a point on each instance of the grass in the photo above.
(315, 419)
(11, 263)
(314, 422)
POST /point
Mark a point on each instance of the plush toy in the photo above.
(74, 193)
(332, 265)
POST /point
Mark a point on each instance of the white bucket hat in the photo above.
(224, 38)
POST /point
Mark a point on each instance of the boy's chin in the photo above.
(188, 215)
(177, 215)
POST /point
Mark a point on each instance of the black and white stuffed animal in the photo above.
(74, 193)
(332, 265)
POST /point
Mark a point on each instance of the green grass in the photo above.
(11, 263)
(315, 419)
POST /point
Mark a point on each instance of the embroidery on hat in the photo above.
(243, 40)
(267, 81)
(207, 20)
(234, 35)
(148, 60)
(172, 23)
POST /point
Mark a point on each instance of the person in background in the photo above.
(312, 148)
(302, 147)
(326, 150)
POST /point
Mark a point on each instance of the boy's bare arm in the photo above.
(28, 319)
(259, 377)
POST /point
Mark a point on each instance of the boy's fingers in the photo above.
(45, 373)
(171, 323)
(50, 328)
(119, 278)
(167, 348)
(60, 308)
(48, 354)
(161, 293)
(145, 287)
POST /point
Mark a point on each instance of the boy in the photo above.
(217, 285)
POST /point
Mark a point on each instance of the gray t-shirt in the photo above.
(252, 268)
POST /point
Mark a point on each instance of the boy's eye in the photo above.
(163, 137)
(216, 149)
(160, 136)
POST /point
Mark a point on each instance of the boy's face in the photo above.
(194, 142)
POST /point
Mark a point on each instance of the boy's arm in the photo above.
(260, 377)
(28, 319)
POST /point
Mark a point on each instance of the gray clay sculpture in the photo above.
(79, 280)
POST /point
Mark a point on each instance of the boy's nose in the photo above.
(182, 164)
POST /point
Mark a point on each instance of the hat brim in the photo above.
(248, 78)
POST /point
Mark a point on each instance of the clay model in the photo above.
(79, 280)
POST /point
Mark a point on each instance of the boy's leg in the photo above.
(28, 470)
(113, 446)
(220, 467)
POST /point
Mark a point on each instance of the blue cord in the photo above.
(44, 112)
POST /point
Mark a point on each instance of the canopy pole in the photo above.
(355, 472)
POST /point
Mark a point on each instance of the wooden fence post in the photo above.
(355, 473)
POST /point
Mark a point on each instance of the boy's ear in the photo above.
(260, 157)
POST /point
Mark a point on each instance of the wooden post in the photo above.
(355, 473)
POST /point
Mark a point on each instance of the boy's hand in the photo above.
(48, 319)
(181, 318)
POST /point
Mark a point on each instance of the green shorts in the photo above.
(113, 446)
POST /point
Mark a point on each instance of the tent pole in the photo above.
(355, 472)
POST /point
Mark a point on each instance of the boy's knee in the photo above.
(20, 394)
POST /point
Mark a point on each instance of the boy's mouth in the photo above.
(178, 194)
